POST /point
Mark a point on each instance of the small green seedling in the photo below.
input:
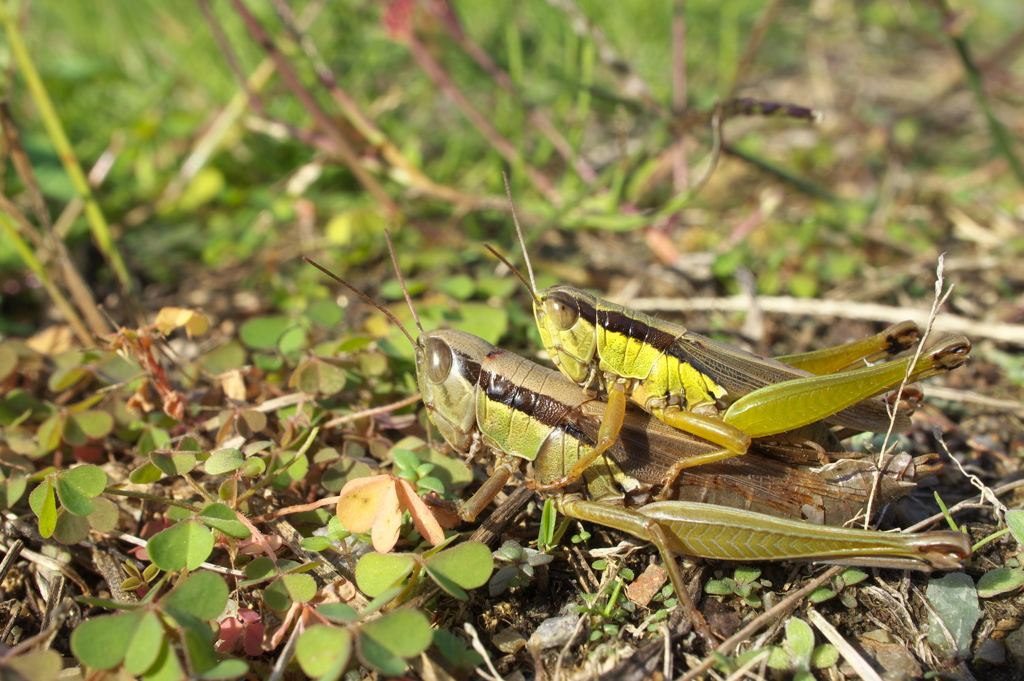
(744, 583)
(798, 653)
(846, 578)
(519, 570)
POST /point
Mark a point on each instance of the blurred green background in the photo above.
(904, 165)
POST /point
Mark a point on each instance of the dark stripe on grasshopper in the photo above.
(543, 408)
(472, 367)
(632, 327)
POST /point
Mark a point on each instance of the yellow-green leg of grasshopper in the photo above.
(891, 341)
(641, 527)
(791, 404)
(731, 534)
(785, 406)
(611, 424)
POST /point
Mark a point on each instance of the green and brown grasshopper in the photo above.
(487, 401)
(712, 389)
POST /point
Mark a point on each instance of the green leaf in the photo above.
(778, 658)
(459, 286)
(338, 612)
(221, 517)
(800, 637)
(70, 529)
(152, 438)
(198, 644)
(469, 564)
(824, 656)
(49, 432)
(719, 587)
(315, 543)
(66, 378)
(167, 667)
(324, 311)
(44, 503)
(746, 574)
(203, 595)
(225, 669)
(820, 594)
(224, 358)
(253, 467)
(301, 588)
(101, 642)
(13, 490)
(145, 474)
(263, 333)
(1015, 521)
(184, 544)
(404, 633)
(104, 516)
(94, 424)
(173, 463)
(260, 568)
(145, 644)
(490, 323)
(72, 499)
(87, 479)
(377, 656)
(295, 472)
(404, 459)
(318, 377)
(222, 462)
(322, 650)
(377, 572)
(39, 665)
(276, 596)
(455, 651)
(999, 581)
(851, 576)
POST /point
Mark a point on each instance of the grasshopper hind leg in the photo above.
(641, 527)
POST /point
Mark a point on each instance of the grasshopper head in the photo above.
(447, 370)
(566, 318)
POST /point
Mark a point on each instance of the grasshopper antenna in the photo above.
(519, 275)
(401, 281)
(368, 299)
(531, 284)
(522, 241)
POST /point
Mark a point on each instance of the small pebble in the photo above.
(509, 641)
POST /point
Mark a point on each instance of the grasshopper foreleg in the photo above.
(471, 508)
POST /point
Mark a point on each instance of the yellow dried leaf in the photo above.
(388, 521)
(170, 318)
(425, 522)
(51, 341)
(233, 385)
(360, 502)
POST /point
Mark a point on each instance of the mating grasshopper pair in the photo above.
(603, 461)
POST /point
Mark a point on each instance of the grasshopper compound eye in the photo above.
(562, 309)
(438, 360)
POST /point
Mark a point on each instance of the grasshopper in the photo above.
(712, 389)
(486, 400)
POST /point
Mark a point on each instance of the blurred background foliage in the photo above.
(902, 167)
